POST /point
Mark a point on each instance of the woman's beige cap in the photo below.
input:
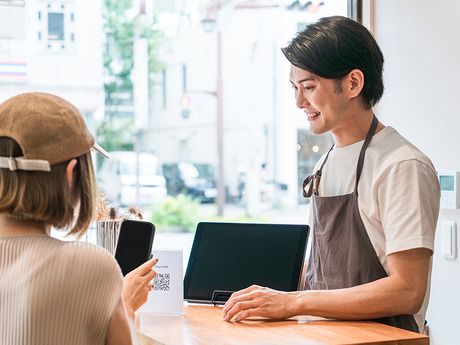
(48, 129)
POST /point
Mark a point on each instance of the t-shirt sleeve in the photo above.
(408, 196)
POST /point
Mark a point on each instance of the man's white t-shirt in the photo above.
(398, 194)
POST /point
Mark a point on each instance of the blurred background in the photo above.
(191, 97)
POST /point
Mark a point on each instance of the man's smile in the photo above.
(313, 115)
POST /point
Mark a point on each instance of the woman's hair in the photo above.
(46, 197)
(333, 46)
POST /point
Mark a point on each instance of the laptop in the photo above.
(227, 257)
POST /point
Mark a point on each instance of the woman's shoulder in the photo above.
(86, 254)
(73, 257)
(85, 248)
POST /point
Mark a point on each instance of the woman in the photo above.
(55, 292)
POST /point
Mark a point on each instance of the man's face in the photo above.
(321, 99)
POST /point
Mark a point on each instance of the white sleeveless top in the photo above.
(54, 292)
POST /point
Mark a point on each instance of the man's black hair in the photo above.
(333, 46)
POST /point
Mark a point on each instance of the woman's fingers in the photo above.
(150, 275)
(146, 267)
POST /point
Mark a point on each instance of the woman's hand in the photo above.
(136, 286)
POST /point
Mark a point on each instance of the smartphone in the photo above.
(134, 244)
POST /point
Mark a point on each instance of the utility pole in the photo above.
(220, 130)
(140, 87)
(210, 24)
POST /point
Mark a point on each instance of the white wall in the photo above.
(419, 40)
(75, 72)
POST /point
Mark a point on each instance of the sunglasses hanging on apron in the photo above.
(342, 254)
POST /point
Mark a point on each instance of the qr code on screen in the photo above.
(161, 282)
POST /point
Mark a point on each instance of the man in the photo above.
(375, 197)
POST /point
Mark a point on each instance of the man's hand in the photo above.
(136, 286)
(260, 301)
(402, 292)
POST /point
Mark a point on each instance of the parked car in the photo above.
(118, 179)
(192, 179)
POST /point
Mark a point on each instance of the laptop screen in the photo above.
(231, 256)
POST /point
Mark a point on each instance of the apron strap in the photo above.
(312, 181)
(325, 159)
(369, 136)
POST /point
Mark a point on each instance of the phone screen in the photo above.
(134, 244)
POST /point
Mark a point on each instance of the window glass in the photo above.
(55, 26)
(199, 89)
(447, 182)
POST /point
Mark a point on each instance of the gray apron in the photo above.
(342, 254)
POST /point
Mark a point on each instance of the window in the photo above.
(55, 26)
(240, 131)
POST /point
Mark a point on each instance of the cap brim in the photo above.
(100, 150)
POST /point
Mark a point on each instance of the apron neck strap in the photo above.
(325, 159)
(369, 136)
(312, 181)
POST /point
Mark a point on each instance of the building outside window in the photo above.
(218, 107)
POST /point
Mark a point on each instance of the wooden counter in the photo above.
(203, 325)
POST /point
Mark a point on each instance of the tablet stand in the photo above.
(220, 296)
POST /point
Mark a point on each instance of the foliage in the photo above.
(179, 212)
(118, 57)
(116, 135)
(120, 28)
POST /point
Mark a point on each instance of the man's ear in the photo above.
(354, 83)
(69, 171)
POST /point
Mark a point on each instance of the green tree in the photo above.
(176, 214)
(117, 135)
(120, 27)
